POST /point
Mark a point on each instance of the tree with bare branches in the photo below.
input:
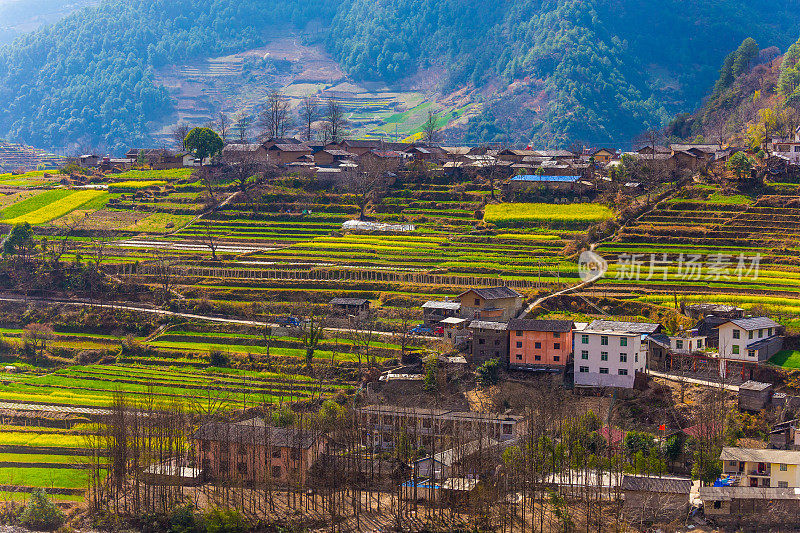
(430, 129)
(179, 133)
(335, 122)
(274, 117)
(241, 124)
(368, 184)
(308, 112)
(223, 126)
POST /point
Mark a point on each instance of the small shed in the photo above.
(755, 395)
(434, 312)
(651, 499)
(351, 306)
(455, 329)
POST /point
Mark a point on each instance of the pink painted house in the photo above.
(539, 344)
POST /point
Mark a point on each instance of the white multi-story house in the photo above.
(788, 149)
(748, 340)
(609, 353)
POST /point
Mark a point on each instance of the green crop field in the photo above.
(559, 214)
(49, 206)
(154, 175)
(789, 359)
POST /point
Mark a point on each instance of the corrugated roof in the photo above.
(753, 455)
(241, 147)
(521, 324)
(623, 327)
(664, 485)
(494, 293)
(450, 306)
(756, 386)
(484, 324)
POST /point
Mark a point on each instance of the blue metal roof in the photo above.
(532, 177)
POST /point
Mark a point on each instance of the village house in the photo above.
(751, 506)
(754, 395)
(273, 141)
(89, 160)
(389, 160)
(746, 342)
(253, 452)
(603, 156)
(785, 148)
(700, 311)
(283, 154)
(651, 499)
(244, 153)
(535, 183)
(434, 312)
(455, 330)
(434, 427)
(539, 344)
(330, 157)
(562, 156)
(489, 341)
(490, 303)
(357, 308)
(610, 354)
(750, 467)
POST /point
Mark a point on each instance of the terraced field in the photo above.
(746, 254)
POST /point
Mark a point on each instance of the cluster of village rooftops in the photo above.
(556, 169)
(603, 353)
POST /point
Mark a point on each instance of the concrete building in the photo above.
(489, 341)
(539, 344)
(434, 312)
(754, 396)
(609, 354)
(434, 427)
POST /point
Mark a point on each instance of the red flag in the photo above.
(662, 427)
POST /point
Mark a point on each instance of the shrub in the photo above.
(488, 373)
(283, 417)
(225, 521)
(184, 520)
(40, 514)
(219, 359)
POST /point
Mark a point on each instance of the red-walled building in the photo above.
(539, 344)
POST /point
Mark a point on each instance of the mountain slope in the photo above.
(554, 71)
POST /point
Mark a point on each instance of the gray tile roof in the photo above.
(760, 456)
(747, 493)
(623, 327)
(255, 432)
(750, 324)
(664, 485)
(495, 293)
(560, 326)
(349, 301)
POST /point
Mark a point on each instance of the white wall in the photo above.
(635, 351)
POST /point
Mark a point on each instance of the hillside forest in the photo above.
(549, 71)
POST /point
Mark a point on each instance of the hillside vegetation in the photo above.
(552, 70)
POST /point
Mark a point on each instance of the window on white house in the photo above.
(623, 341)
(735, 349)
(584, 370)
(584, 354)
(603, 370)
(679, 345)
(736, 334)
(584, 339)
(623, 358)
(604, 340)
(751, 353)
(604, 356)
(750, 334)
(760, 333)
(623, 372)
